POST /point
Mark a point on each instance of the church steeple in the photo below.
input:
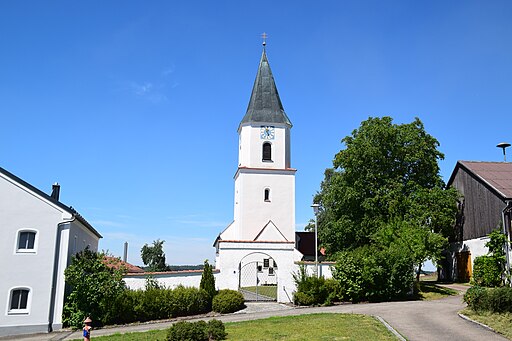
(265, 105)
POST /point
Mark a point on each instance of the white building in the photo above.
(258, 247)
(39, 236)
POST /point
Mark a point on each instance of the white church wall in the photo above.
(324, 268)
(171, 279)
(232, 255)
(251, 146)
(253, 212)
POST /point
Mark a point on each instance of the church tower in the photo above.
(264, 181)
(263, 229)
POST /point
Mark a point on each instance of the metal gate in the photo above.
(258, 280)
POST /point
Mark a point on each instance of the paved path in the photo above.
(416, 320)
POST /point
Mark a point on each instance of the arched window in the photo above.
(267, 151)
(19, 300)
(27, 241)
(267, 194)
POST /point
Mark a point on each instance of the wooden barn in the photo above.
(486, 205)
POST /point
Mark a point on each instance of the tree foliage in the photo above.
(153, 256)
(94, 286)
(490, 270)
(385, 190)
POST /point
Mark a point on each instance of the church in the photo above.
(256, 253)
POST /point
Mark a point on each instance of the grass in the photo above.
(304, 327)
(502, 323)
(265, 290)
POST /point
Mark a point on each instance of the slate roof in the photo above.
(265, 105)
(497, 175)
(68, 209)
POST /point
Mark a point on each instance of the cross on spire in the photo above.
(264, 36)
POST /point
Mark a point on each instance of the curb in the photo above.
(388, 327)
(464, 317)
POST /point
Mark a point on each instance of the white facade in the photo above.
(32, 267)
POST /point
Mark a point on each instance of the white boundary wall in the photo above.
(170, 279)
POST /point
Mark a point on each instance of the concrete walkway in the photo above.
(415, 320)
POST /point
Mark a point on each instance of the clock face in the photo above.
(267, 133)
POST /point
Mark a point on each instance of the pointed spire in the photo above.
(265, 105)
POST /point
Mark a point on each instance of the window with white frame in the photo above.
(27, 241)
(19, 301)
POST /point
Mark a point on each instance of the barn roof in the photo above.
(497, 175)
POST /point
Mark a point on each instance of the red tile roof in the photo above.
(116, 263)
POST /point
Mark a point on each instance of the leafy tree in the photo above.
(94, 285)
(154, 256)
(385, 190)
(490, 270)
(208, 280)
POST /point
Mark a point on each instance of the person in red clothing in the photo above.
(87, 329)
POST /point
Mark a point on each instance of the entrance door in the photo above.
(258, 279)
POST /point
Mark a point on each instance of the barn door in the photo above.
(258, 280)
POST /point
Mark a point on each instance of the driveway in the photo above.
(415, 320)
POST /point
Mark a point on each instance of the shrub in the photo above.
(216, 330)
(310, 289)
(473, 297)
(487, 271)
(197, 331)
(228, 301)
(373, 274)
(208, 282)
(187, 331)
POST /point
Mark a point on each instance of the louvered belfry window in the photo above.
(267, 151)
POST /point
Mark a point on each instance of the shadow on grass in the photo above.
(428, 290)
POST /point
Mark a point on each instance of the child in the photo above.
(87, 329)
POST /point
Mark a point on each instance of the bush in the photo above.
(473, 297)
(228, 301)
(373, 274)
(487, 271)
(197, 331)
(208, 282)
(311, 289)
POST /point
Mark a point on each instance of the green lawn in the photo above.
(502, 323)
(266, 290)
(304, 327)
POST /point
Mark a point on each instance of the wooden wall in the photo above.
(482, 207)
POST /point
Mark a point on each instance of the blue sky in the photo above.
(133, 106)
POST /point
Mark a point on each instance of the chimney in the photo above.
(125, 255)
(55, 191)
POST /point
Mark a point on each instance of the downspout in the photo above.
(506, 223)
(55, 272)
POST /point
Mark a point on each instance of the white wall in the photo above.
(170, 279)
(232, 255)
(251, 147)
(21, 209)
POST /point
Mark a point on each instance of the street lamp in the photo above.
(315, 209)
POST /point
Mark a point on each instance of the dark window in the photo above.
(267, 194)
(267, 151)
(26, 241)
(271, 271)
(19, 299)
(260, 269)
(266, 263)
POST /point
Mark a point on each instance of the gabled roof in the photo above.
(265, 105)
(46, 197)
(116, 263)
(496, 175)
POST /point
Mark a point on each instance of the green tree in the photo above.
(94, 286)
(208, 280)
(385, 190)
(153, 256)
